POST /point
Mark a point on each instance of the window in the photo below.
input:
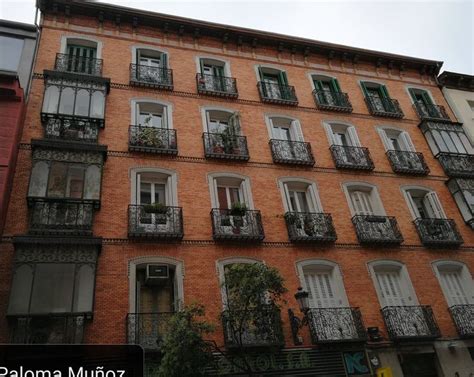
(377, 94)
(274, 82)
(342, 134)
(81, 58)
(421, 97)
(326, 89)
(213, 75)
(227, 190)
(363, 199)
(455, 281)
(151, 58)
(150, 185)
(424, 203)
(396, 140)
(149, 114)
(300, 196)
(55, 179)
(10, 61)
(463, 193)
(73, 97)
(222, 122)
(447, 138)
(282, 128)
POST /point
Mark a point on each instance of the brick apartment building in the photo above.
(145, 133)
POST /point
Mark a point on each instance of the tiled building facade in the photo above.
(157, 150)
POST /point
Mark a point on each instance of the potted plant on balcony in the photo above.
(159, 210)
(237, 211)
(291, 218)
(150, 135)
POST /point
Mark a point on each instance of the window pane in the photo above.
(92, 183)
(449, 142)
(66, 105)
(145, 193)
(234, 195)
(51, 99)
(53, 287)
(222, 197)
(11, 53)
(97, 105)
(75, 182)
(21, 290)
(84, 289)
(82, 103)
(160, 193)
(39, 179)
(57, 180)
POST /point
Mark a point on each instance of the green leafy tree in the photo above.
(185, 352)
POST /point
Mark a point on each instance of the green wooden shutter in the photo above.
(335, 86)
(318, 84)
(164, 60)
(426, 98)
(260, 73)
(218, 71)
(364, 89)
(383, 91)
(282, 79)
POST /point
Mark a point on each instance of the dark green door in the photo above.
(81, 59)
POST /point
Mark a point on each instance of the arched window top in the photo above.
(322, 264)
(151, 112)
(270, 69)
(178, 264)
(162, 179)
(385, 265)
(416, 189)
(359, 185)
(371, 83)
(321, 76)
(423, 202)
(363, 199)
(449, 265)
(152, 170)
(151, 52)
(229, 187)
(83, 41)
(299, 195)
(228, 175)
(301, 180)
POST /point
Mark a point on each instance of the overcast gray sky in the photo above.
(439, 30)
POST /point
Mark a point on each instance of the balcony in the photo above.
(155, 222)
(384, 107)
(332, 325)
(237, 227)
(405, 162)
(457, 165)
(229, 147)
(220, 86)
(333, 101)
(410, 323)
(61, 216)
(71, 128)
(78, 64)
(147, 329)
(346, 157)
(277, 94)
(463, 316)
(151, 77)
(47, 329)
(255, 330)
(152, 140)
(291, 152)
(310, 227)
(438, 232)
(377, 230)
(430, 112)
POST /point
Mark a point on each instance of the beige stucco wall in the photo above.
(457, 99)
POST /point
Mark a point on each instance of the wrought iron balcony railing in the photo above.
(218, 145)
(384, 107)
(457, 165)
(463, 317)
(158, 222)
(310, 227)
(410, 323)
(329, 325)
(430, 112)
(408, 162)
(147, 329)
(70, 128)
(78, 64)
(335, 101)
(257, 329)
(276, 93)
(291, 152)
(217, 85)
(237, 227)
(61, 216)
(47, 329)
(346, 157)
(152, 140)
(151, 77)
(438, 232)
(378, 230)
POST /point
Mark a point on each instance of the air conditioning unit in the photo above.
(157, 274)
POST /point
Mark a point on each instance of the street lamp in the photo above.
(303, 301)
(302, 297)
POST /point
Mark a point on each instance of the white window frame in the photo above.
(220, 269)
(375, 199)
(370, 82)
(391, 265)
(171, 185)
(296, 131)
(465, 275)
(271, 67)
(245, 185)
(328, 265)
(132, 278)
(135, 48)
(404, 135)
(350, 131)
(205, 109)
(417, 87)
(167, 106)
(226, 63)
(411, 205)
(76, 39)
(311, 75)
(312, 189)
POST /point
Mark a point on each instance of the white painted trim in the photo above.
(65, 38)
(315, 192)
(167, 105)
(464, 272)
(310, 75)
(336, 274)
(405, 191)
(134, 49)
(327, 124)
(410, 86)
(132, 277)
(197, 61)
(295, 123)
(246, 185)
(382, 129)
(390, 264)
(205, 109)
(270, 66)
(172, 187)
(376, 201)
